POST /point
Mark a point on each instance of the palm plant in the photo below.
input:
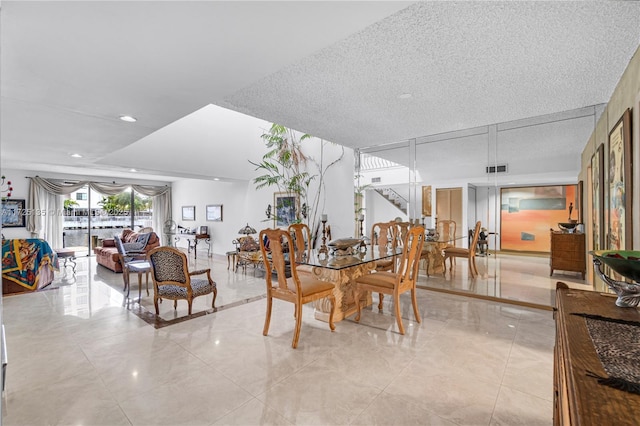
(286, 167)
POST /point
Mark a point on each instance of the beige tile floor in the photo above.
(83, 355)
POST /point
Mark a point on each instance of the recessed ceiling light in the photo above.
(76, 155)
(216, 178)
(128, 118)
(405, 96)
(133, 170)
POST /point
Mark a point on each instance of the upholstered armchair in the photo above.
(172, 279)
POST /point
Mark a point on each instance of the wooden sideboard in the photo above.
(568, 252)
(578, 398)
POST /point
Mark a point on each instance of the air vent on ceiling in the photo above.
(500, 168)
(376, 180)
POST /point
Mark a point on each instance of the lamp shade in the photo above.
(247, 230)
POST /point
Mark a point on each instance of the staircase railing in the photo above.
(394, 198)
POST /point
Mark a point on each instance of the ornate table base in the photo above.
(344, 280)
(435, 259)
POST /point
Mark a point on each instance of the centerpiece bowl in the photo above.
(625, 263)
(343, 246)
(568, 226)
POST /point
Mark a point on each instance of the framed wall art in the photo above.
(13, 213)
(286, 206)
(597, 198)
(619, 184)
(426, 201)
(214, 213)
(527, 214)
(188, 212)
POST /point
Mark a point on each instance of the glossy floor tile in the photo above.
(81, 353)
(512, 277)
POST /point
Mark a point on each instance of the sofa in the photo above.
(107, 253)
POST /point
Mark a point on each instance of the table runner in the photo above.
(617, 343)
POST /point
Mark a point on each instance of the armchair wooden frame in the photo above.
(173, 281)
(470, 253)
(401, 281)
(298, 289)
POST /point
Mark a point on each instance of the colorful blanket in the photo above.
(22, 261)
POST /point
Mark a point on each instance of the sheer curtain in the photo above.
(44, 219)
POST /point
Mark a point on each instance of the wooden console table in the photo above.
(578, 398)
(193, 240)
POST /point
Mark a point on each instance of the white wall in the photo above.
(242, 204)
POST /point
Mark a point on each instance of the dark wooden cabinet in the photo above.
(568, 252)
(578, 398)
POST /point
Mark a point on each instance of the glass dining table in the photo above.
(342, 271)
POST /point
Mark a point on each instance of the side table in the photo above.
(231, 259)
(143, 267)
(67, 255)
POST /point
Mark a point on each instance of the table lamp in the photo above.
(247, 230)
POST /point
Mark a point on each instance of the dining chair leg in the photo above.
(380, 299)
(155, 302)
(267, 319)
(215, 294)
(414, 302)
(396, 301)
(358, 295)
(189, 303)
(332, 299)
(296, 333)
(472, 268)
(175, 304)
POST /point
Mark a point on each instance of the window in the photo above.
(81, 196)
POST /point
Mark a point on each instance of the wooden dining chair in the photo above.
(470, 253)
(297, 289)
(396, 283)
(302, 236)
(446, 230)
(302, 242)
(384, 238)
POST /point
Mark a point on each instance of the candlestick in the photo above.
(323, 248)
(363, 245)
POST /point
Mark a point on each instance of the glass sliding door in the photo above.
(90, 217)
(142, 212)
(75, 222)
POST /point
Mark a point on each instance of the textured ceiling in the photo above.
(466, 64)
(332, 69)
